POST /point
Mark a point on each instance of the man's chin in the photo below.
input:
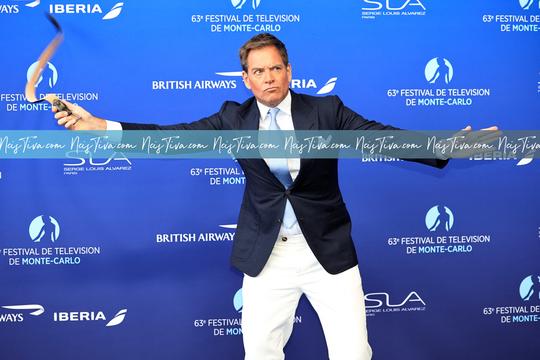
(272, 101)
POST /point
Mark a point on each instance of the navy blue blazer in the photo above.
(314, 195)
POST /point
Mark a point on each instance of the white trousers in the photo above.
(271, 298)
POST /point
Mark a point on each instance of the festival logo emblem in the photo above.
(238, 4)
(527, 4)
(44, 227)
(49, 72)
(238, 300)
(439, 219)
(439, 70)
(529, 289)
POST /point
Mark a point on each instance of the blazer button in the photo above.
(287, 192)
(283, 238)
(279, 221)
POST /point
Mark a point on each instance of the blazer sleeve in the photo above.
(212, 122)
(350, 120)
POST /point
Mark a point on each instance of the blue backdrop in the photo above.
(128, 259)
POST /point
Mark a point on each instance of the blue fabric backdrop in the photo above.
(133, 260)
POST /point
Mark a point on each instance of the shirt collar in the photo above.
(283, 106)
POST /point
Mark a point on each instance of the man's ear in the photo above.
(289, 71)
(246, 80)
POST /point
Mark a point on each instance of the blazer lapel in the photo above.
(303, 114)
(249, 115)
(249, 120)
(304, 117)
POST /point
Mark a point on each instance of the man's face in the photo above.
(267, 76)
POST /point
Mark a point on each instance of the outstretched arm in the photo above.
(77, 118)
(350, 120)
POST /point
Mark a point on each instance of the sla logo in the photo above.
(76, 316)
(49, 72)
(36, 310)
(44, 227)
(239, 3)
(391, 5)
(93, 162)
(382, 299)
(86, 9)
(439, 217)
(238, 300)
(438, 70)
(117, 161)
(526, 4)
(529, 287)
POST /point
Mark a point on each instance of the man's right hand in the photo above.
(79, 119)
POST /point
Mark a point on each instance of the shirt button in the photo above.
(283, 238)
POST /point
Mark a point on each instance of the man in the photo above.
(294, 231)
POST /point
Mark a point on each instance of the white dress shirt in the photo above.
(285, 122)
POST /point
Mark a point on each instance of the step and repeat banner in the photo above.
(123, 258)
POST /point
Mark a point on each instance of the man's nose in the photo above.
(268, 77)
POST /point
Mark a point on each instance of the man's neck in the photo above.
(284, 105)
